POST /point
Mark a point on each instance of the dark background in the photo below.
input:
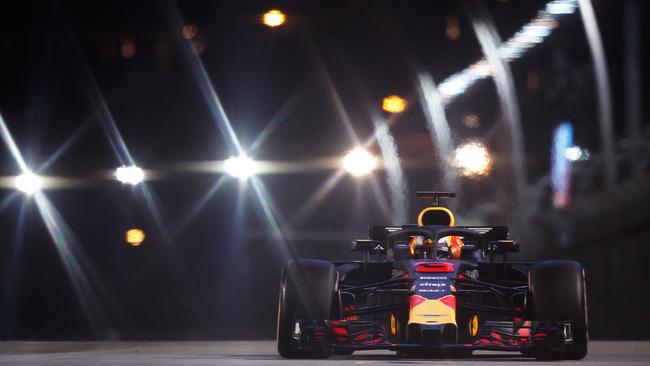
(214, 275)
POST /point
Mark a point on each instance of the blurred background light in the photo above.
(561, 7)
(359, 162)
(576, 153)
(189, 31)
(28, 183)
(393, 104)
(561, 154)
(135, 237)
(127, 49)
(273, 18)
(531, 34)
(129, 175)
(481, 68)
(472, 159)
(471, 121)
(199, 47)
(241, 166)
(457, 83)
(452, 30)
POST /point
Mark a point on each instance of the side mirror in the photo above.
(368, 245)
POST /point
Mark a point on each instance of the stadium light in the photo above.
(28, 183)
(273, 18)
(241, 166)
(135, 237)
(359, 162)
(472, 159)
(132, 175)
(393, 104)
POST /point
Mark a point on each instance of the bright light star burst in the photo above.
(28, 183)
(241, 167)
(359, 162)
(132, 175)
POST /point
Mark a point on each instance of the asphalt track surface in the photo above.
(263, 353)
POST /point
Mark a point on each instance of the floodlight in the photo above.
(359, 162)
(28, 183)
(129, 174)
(273, 18)
(241, 166)
(472, 159)
(393, 104)
(135, 237)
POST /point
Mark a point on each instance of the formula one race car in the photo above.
(433, 290)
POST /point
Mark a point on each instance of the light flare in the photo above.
(74, 261)
(531, 34)
(603, 91)
(241, 167)
(397, 183)
(135, 237)
(488, 37)
(576, 153)
(393, 104)
(473, 159)
(197, 207)
(434, 112)
(132, 175)
(273, 218)
(274, 18)
(359, 162)
(28, 183)
(11, 145)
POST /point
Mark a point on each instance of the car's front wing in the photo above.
(494, 336)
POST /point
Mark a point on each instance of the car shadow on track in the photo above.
(391, 358)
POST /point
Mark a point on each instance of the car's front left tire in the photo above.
(307, 292)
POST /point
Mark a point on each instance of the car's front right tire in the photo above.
(307, 290)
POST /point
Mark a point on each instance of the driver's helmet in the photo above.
(447, 247)
(443, 249)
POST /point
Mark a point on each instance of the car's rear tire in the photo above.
(558, 292)
(307, 292)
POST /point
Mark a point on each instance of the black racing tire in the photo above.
(307, 292)
(558, 292)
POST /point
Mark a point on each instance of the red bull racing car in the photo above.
(433, 289)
